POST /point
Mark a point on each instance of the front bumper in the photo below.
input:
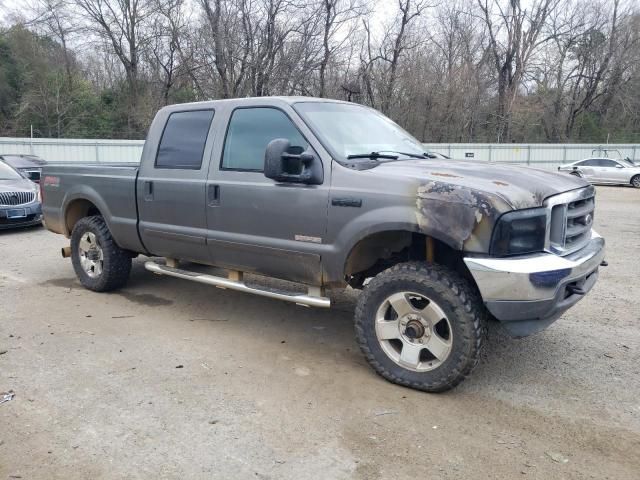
(32, 211)
(528, 293)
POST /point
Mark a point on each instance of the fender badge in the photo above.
(306, 238)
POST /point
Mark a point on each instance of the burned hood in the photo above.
(517, 187)
(459, 202)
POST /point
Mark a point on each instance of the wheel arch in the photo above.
(373, 252)
(82, 203)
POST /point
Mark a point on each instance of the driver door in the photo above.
(606, 170)
(254, 223)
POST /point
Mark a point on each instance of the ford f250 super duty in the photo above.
(328, 194)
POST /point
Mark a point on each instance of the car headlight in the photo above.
(522, 231)
(38, 196)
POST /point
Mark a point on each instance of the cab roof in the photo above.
(250, 101)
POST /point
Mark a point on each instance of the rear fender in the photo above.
(83, 192)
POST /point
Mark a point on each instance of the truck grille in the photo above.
(16, 198)
(571, 222)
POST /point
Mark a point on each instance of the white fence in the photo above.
(540, 155)
(68, 150)
(128, 151)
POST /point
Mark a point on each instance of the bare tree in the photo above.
(514, 36)
(335, 14)
(123, 24)
(596, 57)
(54, 17)
(399, 41)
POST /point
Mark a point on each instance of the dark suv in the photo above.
(29, 165)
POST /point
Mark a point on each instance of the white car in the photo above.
(605, 170)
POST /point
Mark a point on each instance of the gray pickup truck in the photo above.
(330, 194)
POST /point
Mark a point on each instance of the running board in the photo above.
(235, 282)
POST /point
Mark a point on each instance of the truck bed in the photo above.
(113, 186)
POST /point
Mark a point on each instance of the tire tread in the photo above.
(117, 262)
(437, 277)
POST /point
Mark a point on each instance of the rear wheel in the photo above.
(635, 181)
(99, 263)
(421, 326)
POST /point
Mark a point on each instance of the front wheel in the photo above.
(100, 264)
(421, 326)
(635, 181)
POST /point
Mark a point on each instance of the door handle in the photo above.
(148, 190)
(213, 195)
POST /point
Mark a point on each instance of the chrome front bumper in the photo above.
(528, 293)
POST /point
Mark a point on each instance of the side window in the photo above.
(588, 163)
(250, 131)
(607, 163)
(183, 140)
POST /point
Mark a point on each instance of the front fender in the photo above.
(375, 221)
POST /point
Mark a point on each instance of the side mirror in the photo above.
(290, 164)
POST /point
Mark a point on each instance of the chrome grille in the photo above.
(571, 220)
(16, 198)
(579, 222)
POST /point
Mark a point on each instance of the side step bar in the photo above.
(235, 282)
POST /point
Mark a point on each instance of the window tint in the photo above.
(589, 163)
(250, 131)
(606, 163)
(183, 140)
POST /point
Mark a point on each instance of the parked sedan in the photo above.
(605, 170)
(29, 165)
(19, 199)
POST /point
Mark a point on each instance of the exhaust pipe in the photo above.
(66, 252)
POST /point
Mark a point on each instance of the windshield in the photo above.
(627, 163)
(348, 129)
(8, 173)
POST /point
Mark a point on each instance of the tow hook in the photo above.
(575, 290)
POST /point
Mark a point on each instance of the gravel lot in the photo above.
(169, 379)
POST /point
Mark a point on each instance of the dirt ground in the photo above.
(171, 379)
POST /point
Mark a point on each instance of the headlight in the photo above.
(38, 197)
(522, 231)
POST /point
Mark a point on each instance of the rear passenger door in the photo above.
(171, 185)
(587, 168)
(256, 224)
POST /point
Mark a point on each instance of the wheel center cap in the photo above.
(93, 254)
(414, 329)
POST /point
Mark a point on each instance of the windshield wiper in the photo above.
(373, 156)
(385, 154)
(406, 154)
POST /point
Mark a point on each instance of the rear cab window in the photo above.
(183, 140)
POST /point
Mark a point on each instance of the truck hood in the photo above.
(459, 202)
(516, 186)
